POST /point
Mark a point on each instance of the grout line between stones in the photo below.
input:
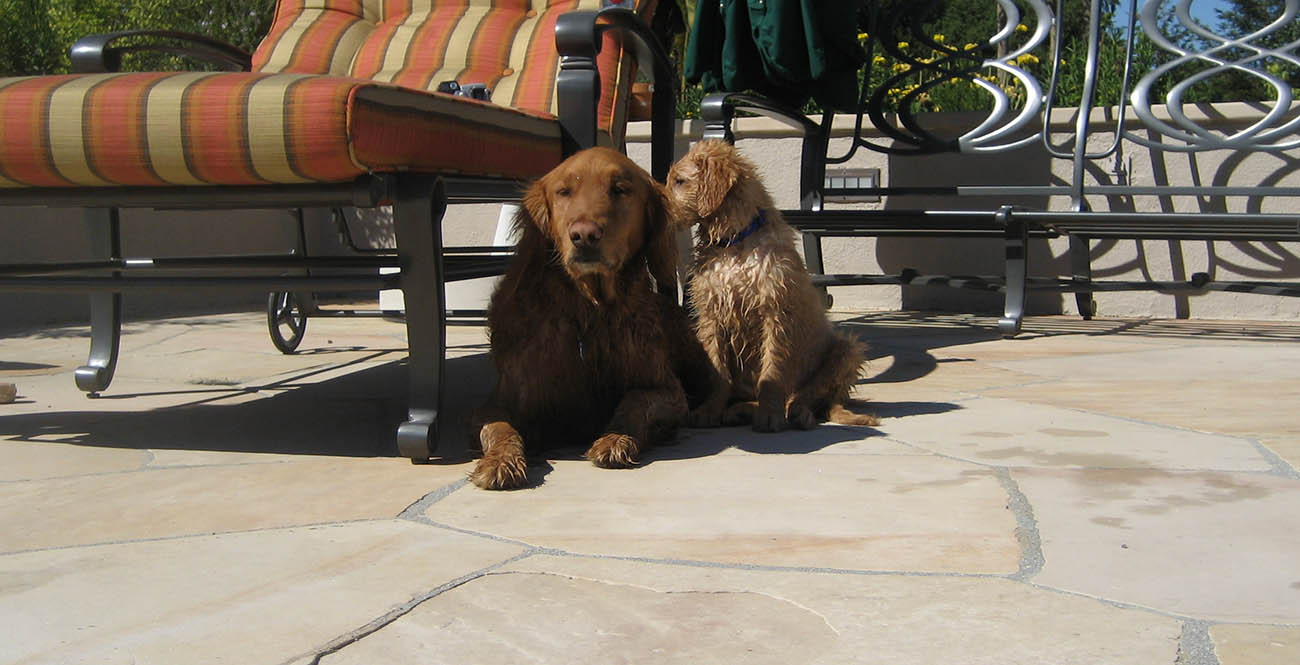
(1280, 466)
(197, 534)
(1031, 545)
(1195, 646)
(402, 610)
(145, 467)
(415, 511)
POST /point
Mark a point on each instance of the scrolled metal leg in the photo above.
(1017, 273)
(103, 227)
(418, 212)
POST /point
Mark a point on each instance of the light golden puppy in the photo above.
(779, 361)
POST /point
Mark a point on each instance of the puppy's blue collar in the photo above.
(759, 220)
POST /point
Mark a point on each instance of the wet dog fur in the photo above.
(779, 361)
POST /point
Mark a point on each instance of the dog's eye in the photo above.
(679, 181)
(563, 192)
(619, 189)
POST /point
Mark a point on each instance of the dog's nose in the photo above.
(584, 234)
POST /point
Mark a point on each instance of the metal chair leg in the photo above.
(417, 216)
(104, 229)
(1017, 272)
(1081, 274)
(812, 258)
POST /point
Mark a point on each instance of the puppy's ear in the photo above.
(660, 242)
(717, 175)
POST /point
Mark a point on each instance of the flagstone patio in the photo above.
(1107, 491)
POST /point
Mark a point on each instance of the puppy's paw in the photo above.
(504, 471)
(802, 417)
(614, 451)
(769, 420)
(704, 416)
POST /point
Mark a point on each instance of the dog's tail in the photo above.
(845, 410)
(828, 388)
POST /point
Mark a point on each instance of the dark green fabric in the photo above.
(789, 50)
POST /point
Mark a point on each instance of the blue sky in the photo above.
(1203, 11)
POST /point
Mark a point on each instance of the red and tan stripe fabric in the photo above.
(314, 37)
(323, 104)
(509, 45)
(250, 128)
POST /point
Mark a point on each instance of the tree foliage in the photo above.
(35, 35)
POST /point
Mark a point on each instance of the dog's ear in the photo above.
(660, 243)
(536, 209)
(717, 174)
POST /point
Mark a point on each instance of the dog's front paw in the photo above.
(704, 416)
(740, 413)
(614, 451)
(503, 471)
(769, 420)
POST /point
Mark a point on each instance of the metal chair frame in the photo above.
(1008, 128)
(419, 202)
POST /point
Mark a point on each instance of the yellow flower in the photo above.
(1022, 28)
(939, 38)
(862, 36)
(1027, 59)
(878, 60)
(970, 47)
(902, 67)
(903, 45)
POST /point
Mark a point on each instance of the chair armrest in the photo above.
(578, 40)
(95, 54)
(718, 109)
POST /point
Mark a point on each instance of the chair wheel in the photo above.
(285, 320)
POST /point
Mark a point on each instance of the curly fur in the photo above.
(586, 351)
(779, 361)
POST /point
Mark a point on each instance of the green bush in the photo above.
(35, 35)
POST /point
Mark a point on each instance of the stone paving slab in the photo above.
(1237, 390)
(253, 597)
(546, 609)
(1004, 432)
(885, 512)
(1256, 645)
(169, 502)
(1212, 545)
(1106, 491)
(36, 461)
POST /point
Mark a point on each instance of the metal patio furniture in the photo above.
(1100, 195)
(337, 107)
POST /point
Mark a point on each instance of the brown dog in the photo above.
(585, 349)
(779, 360)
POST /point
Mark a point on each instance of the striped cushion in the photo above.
(252, 128)
(507, 44)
